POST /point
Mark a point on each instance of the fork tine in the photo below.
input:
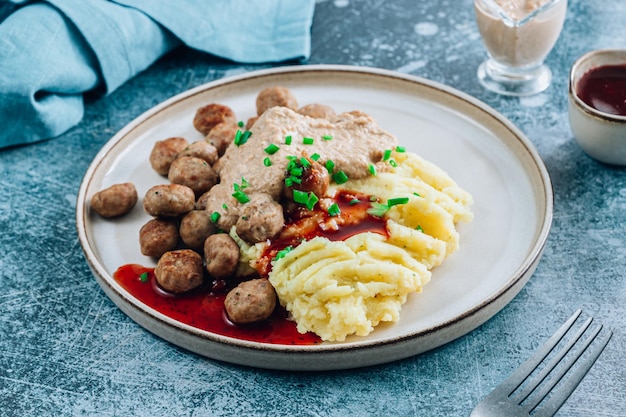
(547, 387)
(516, 379)
(561, 394)
(548, 368)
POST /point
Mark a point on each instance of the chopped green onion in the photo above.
(387, 155)
(239, 194)
(300, 197)
(393, 163)
(281, 253)
(334, 210)
(327, 137)
(241, 197)
(340, 177)
(373, 198)
(288, 140)
(271, 149)
(372, 169)
(267, 162)
(215, 216)
(312, 201)
(417, 194)
(305, 162)
(330, 165)
(308, 141)
(143, 277)
(244, 183)
(296, 172)
(419, 228)
(315, 157)
(395, 201)
(400, 149)
(244, 138)
(241, 123)
(224, 206)
(378, 209)
(354, 201)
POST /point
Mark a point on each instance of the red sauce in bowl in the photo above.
(604, 89)
(203, 308)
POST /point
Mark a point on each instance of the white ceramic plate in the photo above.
(485, 153)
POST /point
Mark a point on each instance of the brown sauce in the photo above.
(203, 308)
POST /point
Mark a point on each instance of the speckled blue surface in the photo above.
(65, 349)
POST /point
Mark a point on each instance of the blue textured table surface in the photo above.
(65, 349)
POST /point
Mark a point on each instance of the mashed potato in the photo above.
(343, 288)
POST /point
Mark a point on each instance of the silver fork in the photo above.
(520, 395)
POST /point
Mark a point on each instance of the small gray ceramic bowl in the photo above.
(601, 135)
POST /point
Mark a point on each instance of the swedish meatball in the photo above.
(221, 136)
(179, 271)
(114, 201)
(315, 178)
(251, 301)
(201, 149)
(169, 200)
(158, 236)
(207, 117)
(221, 255)
(193, 172)
(195, 227)
(317, 111)
(260, 219)
(164, 152)
(275, 96)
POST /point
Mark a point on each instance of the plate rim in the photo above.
(494, 303)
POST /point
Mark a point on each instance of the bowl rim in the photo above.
(574, 78)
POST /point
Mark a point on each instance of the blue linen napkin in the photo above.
(52, 52)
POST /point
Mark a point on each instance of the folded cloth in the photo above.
(52, 52)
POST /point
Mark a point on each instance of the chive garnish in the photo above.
(395, 201)
(330, 166)
(288, 140)
(378, 209)
(340, 177)
(334, 210)
(393, 163)
(387, 155)
(240, 123)
(300, 197)
(419, 228)
(271, 149)
(242, 137)
(215, 216)
(400, 149)
(239, 194)
(281, 253)
(327, 137)
(315, 157)
(312, 201)
(354, 201)
(267, 162)
(372, 169)
(308, 141)
(143, 277)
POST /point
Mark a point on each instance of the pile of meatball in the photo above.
(181, 234)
